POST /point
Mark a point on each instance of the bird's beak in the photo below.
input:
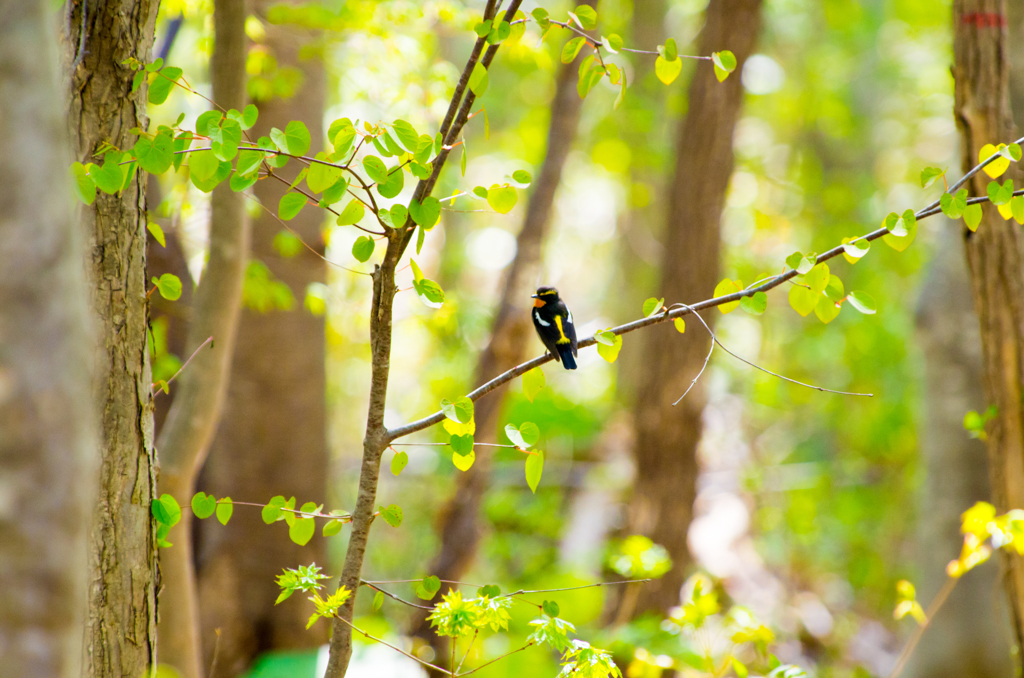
(534, 296)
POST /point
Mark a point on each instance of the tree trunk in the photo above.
(192, 420)
(969, 638)
(460, 529)
(121, 634)
(982, 110)
(272, 439)
(667, 435)
(49, 442)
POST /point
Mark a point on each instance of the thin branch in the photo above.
(521, 592)
(393, 647)
(209, 340)
(310, 197)
(714, 340)
(394, 597)
(496, 659)
(933, 609)
(446, 444)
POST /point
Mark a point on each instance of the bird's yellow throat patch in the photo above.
(558, 324)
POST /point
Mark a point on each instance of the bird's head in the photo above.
(545, 295)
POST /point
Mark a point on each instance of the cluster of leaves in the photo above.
(579, 658)
(307, 578)
(166, 512)
(1009, 203)
(983, 531)
(301, 522)
(639, 557)
(456, 617)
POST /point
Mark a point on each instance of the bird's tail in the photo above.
(568, 360)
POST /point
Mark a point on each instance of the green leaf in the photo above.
(224, 140)
(612, 43)
(608, 345)
(1000, 194)
(429, 292)
(342, 134)
(725, 63)
(302, 530)
(534, 469)
(398, 462)
(203, 164)
(800, 263)
(296, 138)
(155, 155)
(652, 306)
(225, 509)
(462, 444)
(166, 510)
(207, 185)
(460, 411)
(109, 178)
(290, 205)
(287, 244)
(157, 233)
(162, 84)
(522, 177)
(853, 251)
(427, 213)
(862, 301)
(392, 515)
(240, 183)
(903, 233)
(394, 184)
(587, 16)
(972, 216)
(375, 169)
(407, 135)
(203, 505)
(826, 309)
(953, 206)
(550, 608)
(482, 29)
(378, 601)
(478, 80)
(834, 289)
(85, 186)
(428, 588)
(321, 176)
(362, 248)
(352, 214)
(929, 175)
(502, 198)
(248, 161)
(754, 305)
(272, 512)
(249, 116)
(1017, 208)
(572, 49)
(802, 299)
(533, 382)
(725, 287)
(333, 527)
(667, 71)
(817, 278)
(169, 286)
(589, 77)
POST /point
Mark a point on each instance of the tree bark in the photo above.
(460, 528)
(121, 622)
(49, 434)
(193, 417)
(272, 438)
(982, 111)
(667, 435)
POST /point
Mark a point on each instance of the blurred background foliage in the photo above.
(806, 508)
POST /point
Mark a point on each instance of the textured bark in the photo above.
(121, 633)
(982, 111)
(272, 438)
(460, 528)
(49, 438)
(667, 436)
(192, 420)
(969, 638)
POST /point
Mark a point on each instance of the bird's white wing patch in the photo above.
(536, 314)
(570, 314)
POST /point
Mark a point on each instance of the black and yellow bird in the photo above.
(555, 327)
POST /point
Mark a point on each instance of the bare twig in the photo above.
(209, 340)
(933, 609)
(393, 647)
(394, 597)
(496, 659)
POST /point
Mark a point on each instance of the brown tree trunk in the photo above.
(982, 110)
(192, 420)
(667, 435)
(121, 634)
(272, 438)
(49, 438)
(460, 528)
(969, 638)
